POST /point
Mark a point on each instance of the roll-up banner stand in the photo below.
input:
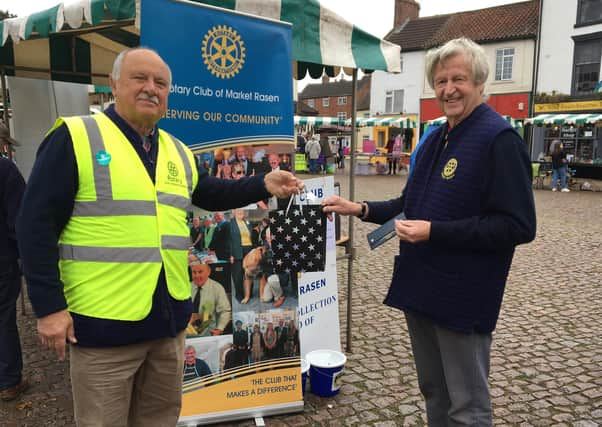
(231, 102)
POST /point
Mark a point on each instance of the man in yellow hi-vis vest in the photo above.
(107, 198)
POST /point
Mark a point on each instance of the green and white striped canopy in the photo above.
(319, 121)
(320, 36)
(88, 34)
(400, 122)
(561, 119)
(403, 122)
(515, 123)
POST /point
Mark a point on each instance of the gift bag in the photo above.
(298, 238)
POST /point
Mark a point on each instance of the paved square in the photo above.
(547, 350)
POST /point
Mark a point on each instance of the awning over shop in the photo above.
(319, 121)
(562, 119)
(515, 123)
(78, 41)
(400, 122)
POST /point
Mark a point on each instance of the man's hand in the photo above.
(340, 206)
(54, 330)
(283, 184)
(215, 332)
(413, 231)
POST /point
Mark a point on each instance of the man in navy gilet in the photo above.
(468, 204)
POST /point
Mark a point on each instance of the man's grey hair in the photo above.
(116, 72)
(474, 54)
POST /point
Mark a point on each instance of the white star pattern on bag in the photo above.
(299, 239)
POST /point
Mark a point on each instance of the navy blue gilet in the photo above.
(458, 289)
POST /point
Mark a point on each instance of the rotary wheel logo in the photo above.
(223, 52)
(450, 169)
(172, 169)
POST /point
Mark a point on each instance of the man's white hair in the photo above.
(116, 72)
(474, 54)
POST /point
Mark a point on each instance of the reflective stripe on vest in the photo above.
(98, 254)
(124, 228)
(102, 183)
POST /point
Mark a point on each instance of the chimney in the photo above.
(405, 9)
(325, 78)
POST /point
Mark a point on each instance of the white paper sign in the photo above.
(318, 291)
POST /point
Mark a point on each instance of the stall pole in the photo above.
(351, 218)
(4, 96)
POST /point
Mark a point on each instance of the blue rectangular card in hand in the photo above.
(383, 233)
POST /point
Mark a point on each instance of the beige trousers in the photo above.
(129, 386)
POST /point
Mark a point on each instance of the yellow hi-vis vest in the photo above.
(123, 228)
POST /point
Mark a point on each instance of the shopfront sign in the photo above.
(593, 105)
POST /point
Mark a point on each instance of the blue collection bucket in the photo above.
(304, 374)
(325, 372)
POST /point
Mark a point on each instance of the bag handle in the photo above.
(290, 202)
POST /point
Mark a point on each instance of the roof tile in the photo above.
(507, 22)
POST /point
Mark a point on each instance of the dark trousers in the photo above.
(11, 362)
(392, 166)
(238, 274)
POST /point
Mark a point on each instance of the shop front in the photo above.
(581, 136)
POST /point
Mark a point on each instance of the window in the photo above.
(586, 68)
(503, 63)
(589, 12)
(342, 100)
(310, 102)
(325, 102)
(342, 115)
(394, 101)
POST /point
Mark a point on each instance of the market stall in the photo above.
(368, 153)
(580, 134)
(78, 42)
(515, 123)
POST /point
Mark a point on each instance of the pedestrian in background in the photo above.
(341, 152)
(391, 157)
(107, 198)
(313, 149)
(12, 185)
(468, 204)
(559, 166)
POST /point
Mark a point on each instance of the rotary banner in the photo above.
(231, 80)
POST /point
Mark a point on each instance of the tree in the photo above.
(6, 14)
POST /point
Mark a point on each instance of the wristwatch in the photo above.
(363, 211)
